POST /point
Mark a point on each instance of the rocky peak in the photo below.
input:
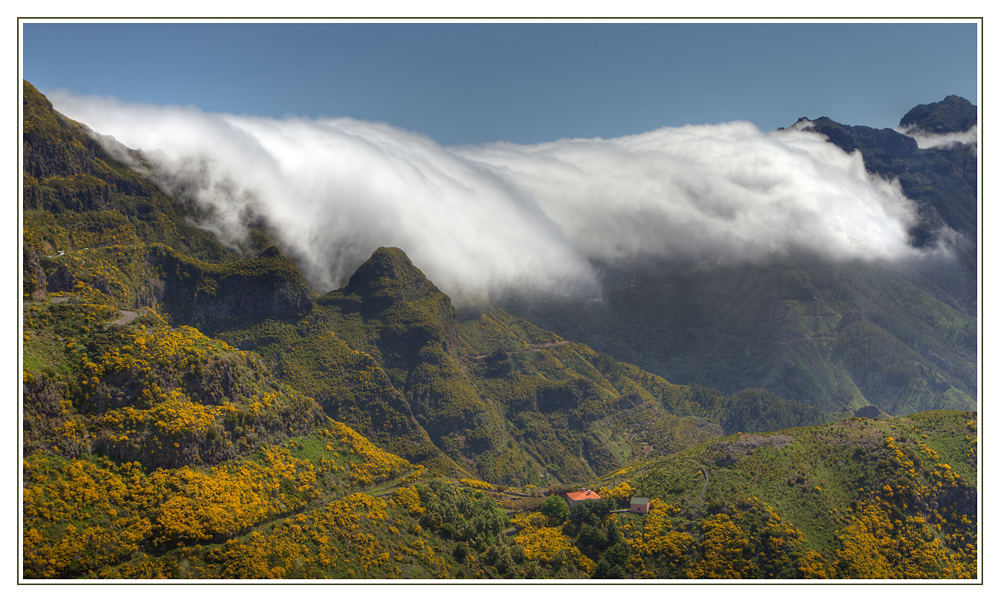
(953, 114)
(390, 272)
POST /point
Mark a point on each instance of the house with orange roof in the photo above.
(575, 497)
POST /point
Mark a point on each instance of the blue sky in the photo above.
(469, 83)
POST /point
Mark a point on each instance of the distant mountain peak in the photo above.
(953, 114)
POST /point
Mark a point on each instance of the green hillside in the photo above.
(875, 499)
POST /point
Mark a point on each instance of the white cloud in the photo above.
(930, 140)
(483, 218)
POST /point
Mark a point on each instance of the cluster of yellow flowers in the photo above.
(548, 545)
(476, 484)
(748, 541)
(82, 514)
(408, 498)
(723, 550)
(175, 416)
(879, 542)
(877, 545)
(658, 539)
(228, 499)
(108, 509)
(334, 540)
(621, 493)
(376, 465)
(144, 352)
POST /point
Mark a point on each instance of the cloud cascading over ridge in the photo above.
(480, 219)
(932, 140)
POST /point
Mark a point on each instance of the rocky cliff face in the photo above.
(212, 296)
(53, 144)
(34, 282)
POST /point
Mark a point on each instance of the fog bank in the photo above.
(481, 219)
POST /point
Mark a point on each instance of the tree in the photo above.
(592, 541)
(555, 506)
(614, 535)
(590, 512)
(613, 561)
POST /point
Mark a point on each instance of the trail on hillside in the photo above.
(531, 347)
(127, 316)
(704, 472)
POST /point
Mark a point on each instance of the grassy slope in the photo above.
(841, 500)
(890, 498)
(812, 501)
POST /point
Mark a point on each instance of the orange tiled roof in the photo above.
(582, 495)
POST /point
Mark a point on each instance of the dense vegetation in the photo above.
(192, 411)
